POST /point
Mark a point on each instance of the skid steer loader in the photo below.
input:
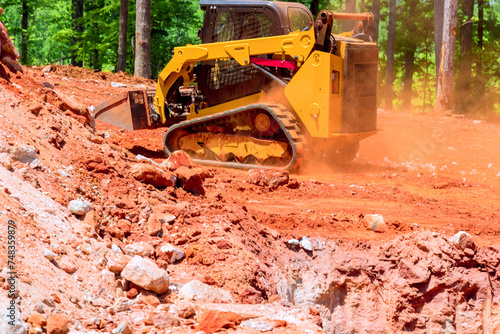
(269, 86)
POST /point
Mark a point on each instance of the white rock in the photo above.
(293, 243)
(23, 153)
(116, 262)
(115, 248)
(123, 328)
(375, 223)
(260, 325)
(171, 253)
(463, 240)
(121, 304)
(49, 255)
(63, 173)
(201, 292)
(146, 274)
(139, 248)
(79, 206)
(166, 218)
(306, 244)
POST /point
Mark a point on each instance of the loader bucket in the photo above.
(131, 110)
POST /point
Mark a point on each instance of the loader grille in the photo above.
(227, 73)
(244, 25)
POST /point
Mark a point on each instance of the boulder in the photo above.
(270, 178)
(124, 327)
(165, 320)
(139, 248)
(201, 292)
(67, 265)
(36, 319)
(169, 253)
(153, 225)
(146, 274)
(176, 160)
(306, 244)
(6, 160)
(153, 175)
(375, 223)
(79, 207)
(49, 255)
(185, 308)
(22, 153)
(463, 240)
(190, 181)
(116, 261)
(58, 324)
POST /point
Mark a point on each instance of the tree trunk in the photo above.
(438, 32)
(409, 57)
(480, 89)
(314, 7)
(465, 67)
(76, 15)
(122, 38)
(142, 38)
(376, 19)
(350, 7)
(389, 74)
(444, 91)
(24, 32)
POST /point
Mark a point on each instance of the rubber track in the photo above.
(282, 116)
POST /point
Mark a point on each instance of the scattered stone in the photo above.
(153, 225)
(201, 292)
(441, 185)
(66, 102)
(185, 308)
(153, 175)
(121, 304)
(375, 223)
(132, 293)
(79, 207)
(67, 265)
(176, 160)
(58, 324)
(123, 328)
(260, 325)
(6, 160)
(146, 274)
(47, 69)
(224, 244)
(293, 184)
(116, 262)
(97, 139)
(99, 302)
(306, 244)
(139, 248)
(49, 301)
(152, 300)
(49, 255)
(190, 181)
(165, 320)
(47, 84)
(170, 253)
(166, 218)
(270, 178)
(35, 108)
(37, 319)
(463, 240)
(293, 243)
(21, 153)
(212, 321)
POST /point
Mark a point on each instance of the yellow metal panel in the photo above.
(239, 52)
(310, 94)
(251, 99)
(296, 45)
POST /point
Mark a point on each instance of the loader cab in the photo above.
(231, 20)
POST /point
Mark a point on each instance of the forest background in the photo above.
(409, 34)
